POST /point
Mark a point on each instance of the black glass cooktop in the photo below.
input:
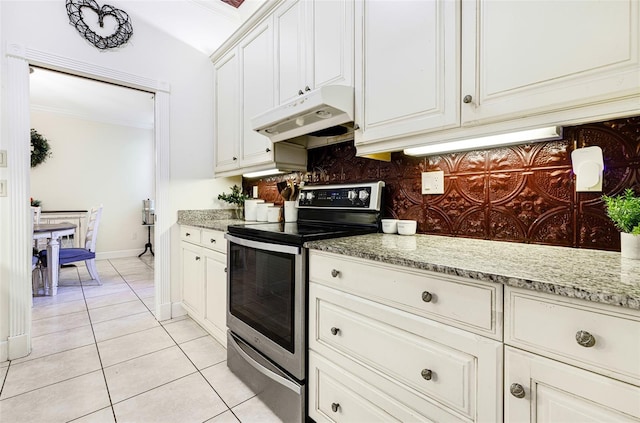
(296, 233)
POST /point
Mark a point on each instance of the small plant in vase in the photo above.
(236, 198)
(624, 211)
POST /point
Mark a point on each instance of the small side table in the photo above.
(148, 245)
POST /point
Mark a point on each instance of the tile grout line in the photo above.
(104, 376)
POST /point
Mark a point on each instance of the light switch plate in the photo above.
(433, 182)
(3, 158)
(3, 187)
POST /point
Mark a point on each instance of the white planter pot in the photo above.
(630, 246)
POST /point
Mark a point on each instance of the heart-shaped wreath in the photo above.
(123, 32)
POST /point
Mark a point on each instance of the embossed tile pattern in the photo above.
(522, 194)
(120, 364)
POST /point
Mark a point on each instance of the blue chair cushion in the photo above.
(69, 255)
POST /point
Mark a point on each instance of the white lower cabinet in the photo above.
(569, 360)
(389, 343)
(370, 361)
(204, 279)
(538, 389)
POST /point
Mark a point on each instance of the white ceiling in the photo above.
(202, 24)
(90, 100)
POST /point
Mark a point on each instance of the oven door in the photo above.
(266, 300)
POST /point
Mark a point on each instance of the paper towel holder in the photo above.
(588, 166)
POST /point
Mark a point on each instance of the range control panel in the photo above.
(366, 196)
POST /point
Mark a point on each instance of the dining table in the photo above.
(53, 232)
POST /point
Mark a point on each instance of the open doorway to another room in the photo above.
(101, 139)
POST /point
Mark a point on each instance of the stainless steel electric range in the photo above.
(267, 282)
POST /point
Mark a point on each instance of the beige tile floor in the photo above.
(98, 355)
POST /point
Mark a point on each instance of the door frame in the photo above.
(19, 58)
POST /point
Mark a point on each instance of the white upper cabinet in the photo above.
(437, 70)
(525, 57)
(407, 67)
(258, 93)
(314, 45)
(226, 118)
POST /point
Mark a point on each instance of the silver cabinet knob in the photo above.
(516, 390)
(187, 234)
(335, 273)
(427, 297)
(235, 158)
(267, 150)
(225, 270)
(197, 258)
(585, 339)
(334, 407)
(306, 88)
(426, 374)
(300, 92)
(335, 330)
(467, 99)
(213, 241)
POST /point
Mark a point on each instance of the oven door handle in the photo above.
(267, 246)
(280, 377)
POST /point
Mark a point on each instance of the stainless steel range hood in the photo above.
(312, 111)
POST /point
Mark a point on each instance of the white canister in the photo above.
(250, 209)
(273, 214)
(290, 211)
(261, 212)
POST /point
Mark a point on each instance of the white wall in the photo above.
(150, 53)
(95, 163)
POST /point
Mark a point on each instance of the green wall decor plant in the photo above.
(236, 197)
(40, 148)
(624, 211)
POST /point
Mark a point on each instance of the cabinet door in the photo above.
(290, 49)
(407, 67)
(556, 392)
(586, 52)
(216, 293)
(226, 119)
(258, 94)
(192, 278)
(331, 49)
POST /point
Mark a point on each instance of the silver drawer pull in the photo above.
(516, 390)
(335, 273)
(334, 407)
(426, 374)
(187, 234)
(334, 330)
(427, 297)
(197, 258)
(213, 241)
(585, 339)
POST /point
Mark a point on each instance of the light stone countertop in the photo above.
(215, 219)
(593, 275)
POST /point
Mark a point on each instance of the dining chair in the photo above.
(86, 254)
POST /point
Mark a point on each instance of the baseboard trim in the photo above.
(4, 351)
(18, 346)
(118, 254)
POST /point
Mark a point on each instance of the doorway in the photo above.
(19, 290)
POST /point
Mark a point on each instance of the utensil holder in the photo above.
(290, 211)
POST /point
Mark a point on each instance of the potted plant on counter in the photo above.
(624, 211)
(236, 198)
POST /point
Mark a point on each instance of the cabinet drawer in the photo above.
(448, 374)
(460, 302)
(190, 234)
(390, 348)
(214, 240)
(549, 325)
(336, 395)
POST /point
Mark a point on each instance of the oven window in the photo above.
(261, 292)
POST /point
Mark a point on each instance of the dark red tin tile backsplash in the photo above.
(523, 193)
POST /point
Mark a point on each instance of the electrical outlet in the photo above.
(433, 182)
(3, 158)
